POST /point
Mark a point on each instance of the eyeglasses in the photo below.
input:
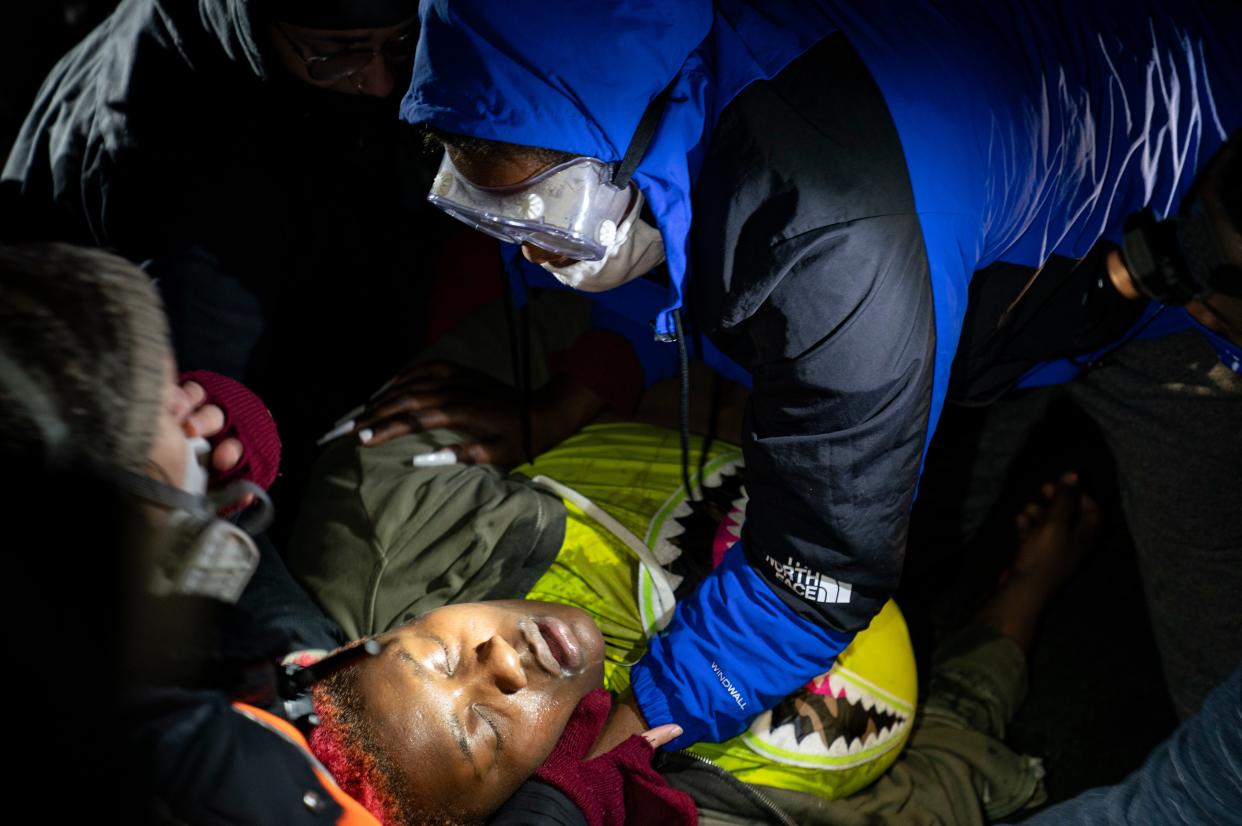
(351, 61)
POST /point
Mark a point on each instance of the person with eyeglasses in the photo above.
(249, 155)
(365, 62)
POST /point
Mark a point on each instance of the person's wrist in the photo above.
(1119, 275)
(625, 719)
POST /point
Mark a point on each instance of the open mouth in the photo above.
(555, 646)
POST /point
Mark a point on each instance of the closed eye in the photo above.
(485, 714)
(449, 667)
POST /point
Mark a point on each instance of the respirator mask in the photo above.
(197, 552)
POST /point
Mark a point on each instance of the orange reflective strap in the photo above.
(352, 812)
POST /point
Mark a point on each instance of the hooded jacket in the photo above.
(1024, 132)
(172, 135)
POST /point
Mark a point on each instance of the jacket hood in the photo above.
(236, 23)
(569, 76)
(577, 77)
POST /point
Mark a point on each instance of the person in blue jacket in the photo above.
(863, 209)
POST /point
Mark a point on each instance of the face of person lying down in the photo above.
(470, 699)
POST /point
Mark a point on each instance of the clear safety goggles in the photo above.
(571, 209)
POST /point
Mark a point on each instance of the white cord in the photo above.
(664, 598)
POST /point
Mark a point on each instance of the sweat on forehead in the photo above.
(461, 705)
(570, 76)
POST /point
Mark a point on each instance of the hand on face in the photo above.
(442, 395)
(184, 415)
(207, 420)
(470, 699)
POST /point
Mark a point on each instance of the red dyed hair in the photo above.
(344, 741)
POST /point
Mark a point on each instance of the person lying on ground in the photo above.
(600, 537)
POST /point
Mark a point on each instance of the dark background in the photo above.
(1097, 702)
(35, 35)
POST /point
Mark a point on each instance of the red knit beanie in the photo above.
(246, 419)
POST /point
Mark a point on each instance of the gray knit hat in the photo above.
(86, 329)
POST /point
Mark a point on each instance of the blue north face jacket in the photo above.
(829, 177)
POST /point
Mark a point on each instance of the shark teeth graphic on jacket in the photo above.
(683, 545)
(833, 717)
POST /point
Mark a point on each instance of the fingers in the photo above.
(485, 452)
(377, 433)
(460, 387)
(386, 431)
(429, 396)
(195, 392)
(409, 414)
(200, 419)
(436, 458)
(419, 380)
(400, 423)
(226, 455)
(464, 454)
(343, 428)
(409, 404)
(495, 428)
(662, 735)
(206, 421)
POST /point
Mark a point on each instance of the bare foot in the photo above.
(1054, 533)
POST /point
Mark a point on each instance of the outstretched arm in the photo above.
(833, 440)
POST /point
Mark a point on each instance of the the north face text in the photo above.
(810, 585)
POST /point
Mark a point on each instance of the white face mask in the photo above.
(636, 249)
(197, 454)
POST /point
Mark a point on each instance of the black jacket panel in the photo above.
(805, 209)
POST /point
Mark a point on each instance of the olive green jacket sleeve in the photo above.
(378, 541)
